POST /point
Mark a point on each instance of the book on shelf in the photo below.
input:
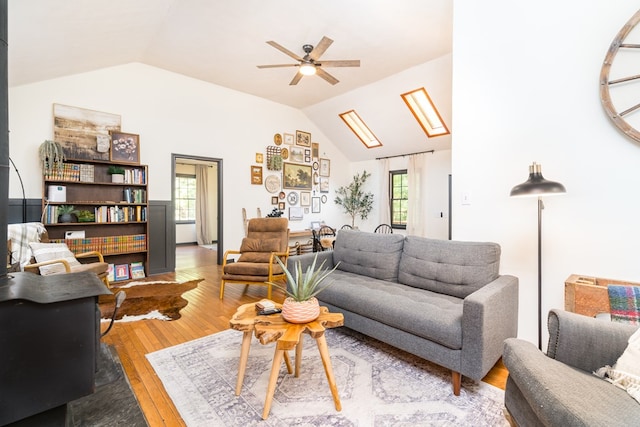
(122, 272)
(137, 270)
(111, 273)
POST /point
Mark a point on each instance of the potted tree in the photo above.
(117, 174)
(353, 199)
(301, 304)
(51, 157)
(67, 213)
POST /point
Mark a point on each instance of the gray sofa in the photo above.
(559, 388)
(444, 301)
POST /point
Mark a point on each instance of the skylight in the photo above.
(361, 130)
(425, 112)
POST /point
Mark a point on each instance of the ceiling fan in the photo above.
(309, 64)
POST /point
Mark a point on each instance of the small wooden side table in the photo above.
(274, 328)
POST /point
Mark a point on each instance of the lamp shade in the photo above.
(307, 68)
(536, 185)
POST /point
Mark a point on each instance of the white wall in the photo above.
(172, 114)
(525, 88)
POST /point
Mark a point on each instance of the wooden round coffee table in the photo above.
(287, 336)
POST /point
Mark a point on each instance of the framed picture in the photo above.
(296, 155)
(256, 175)
(259, 158)
(274, 200)
(281, 206)
(325, 167)
(295, 213)
(288, 138)
(303, 138)
(122, 272)
(307, 156)
(324, 184)
(305, 198)
(315, 150)
(315, 225)
(125, 148)
(296, 176)
(315, 205)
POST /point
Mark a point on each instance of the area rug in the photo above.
(148, 300)
(378, 385)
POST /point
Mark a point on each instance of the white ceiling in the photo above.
(222, 41)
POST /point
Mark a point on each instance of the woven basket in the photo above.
(300, 311)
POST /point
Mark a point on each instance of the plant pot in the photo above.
(117, 178)
(68, 217)
(300, 311)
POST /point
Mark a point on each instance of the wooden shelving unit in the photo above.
(119, 228)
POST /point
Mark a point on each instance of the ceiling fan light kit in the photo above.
(308, 65)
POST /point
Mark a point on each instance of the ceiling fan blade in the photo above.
(341, 63)
(320, 48)
(328, 77)
(278, 65)
(284, 50)
(296, 79)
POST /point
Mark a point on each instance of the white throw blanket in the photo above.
(21, 235)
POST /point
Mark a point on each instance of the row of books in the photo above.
(107, 245)
(68, 172)
(135, 176)
(119, 272)
(134, 195)
(121, 213)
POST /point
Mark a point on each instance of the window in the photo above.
(361, 130)
(185, 194)
(398, 197)
(425, 112)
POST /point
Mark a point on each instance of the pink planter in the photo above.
(300, 311)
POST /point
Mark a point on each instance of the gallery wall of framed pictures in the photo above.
(294, 175)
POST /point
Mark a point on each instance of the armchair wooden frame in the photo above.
(35, 267)
(273, 277)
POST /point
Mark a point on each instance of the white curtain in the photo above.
(204, 210)
(416, 172)
(385, 207)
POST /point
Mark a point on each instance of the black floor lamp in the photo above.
(536, 185)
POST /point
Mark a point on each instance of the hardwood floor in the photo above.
(206, 314)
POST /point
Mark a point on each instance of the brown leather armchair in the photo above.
(266, 239)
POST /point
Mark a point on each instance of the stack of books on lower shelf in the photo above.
(107, 245)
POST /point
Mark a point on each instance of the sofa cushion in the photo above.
(449, 267)
(44, 252)
(369, 254)
(435, 317)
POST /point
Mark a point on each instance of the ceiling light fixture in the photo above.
(307, 69)
(361, 130)
(425, 112)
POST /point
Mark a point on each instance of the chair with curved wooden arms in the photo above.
(323, 238)
(257, 265)
(383, 229)
(346, 227)
(56, 258)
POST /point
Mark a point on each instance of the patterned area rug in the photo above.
(160, 300)
(378, 385)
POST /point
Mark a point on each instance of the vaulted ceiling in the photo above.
(222, 42)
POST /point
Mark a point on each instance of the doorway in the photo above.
(197, 215)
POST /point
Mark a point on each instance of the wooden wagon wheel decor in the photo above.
(620, 90)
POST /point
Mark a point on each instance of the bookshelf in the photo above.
(113, 216)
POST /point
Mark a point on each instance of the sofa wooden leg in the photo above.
(456, 379)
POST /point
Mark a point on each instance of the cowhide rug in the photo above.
(148, 300)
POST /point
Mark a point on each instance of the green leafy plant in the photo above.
(115, 170)
(51, 156)
(353, 199)
(67, 209)
(86, 216)
(303, 287)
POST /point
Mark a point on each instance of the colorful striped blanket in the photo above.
(625, 303)
(21, 235)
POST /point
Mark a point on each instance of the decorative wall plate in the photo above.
(277, 139)
(323, 199)
(284, 153)
(292, 198)
(281, 195)
(272, 183)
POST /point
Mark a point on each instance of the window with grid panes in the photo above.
(398, 197)
(185, 198)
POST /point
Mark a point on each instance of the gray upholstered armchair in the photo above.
(559, 388)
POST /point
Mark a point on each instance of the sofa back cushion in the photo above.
(369, 254)
(448, 267)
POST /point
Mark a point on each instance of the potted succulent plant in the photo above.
(67, 213)
(301, 304)
(51, 156)
(117, 173)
